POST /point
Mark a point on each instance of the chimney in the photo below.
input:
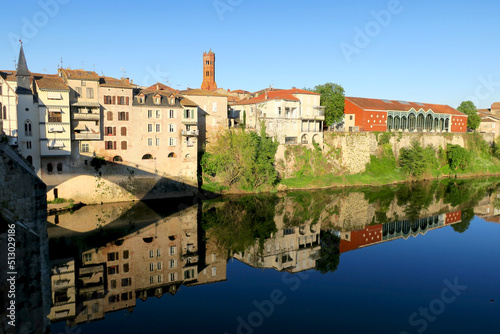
(157, 87)
(127, 80)
(228, 90)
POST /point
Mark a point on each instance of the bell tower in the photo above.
(209, 71)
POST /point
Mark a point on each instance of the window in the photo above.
(151, 266)
(107, 99)
(350, 118)
(117, 158)
(113, 270)
(171, 114)
(158, 252)
(172, 263)
(158, 127)
(112, 256)
(126, 281)
(125, 254)
(126, 268)
(157, 100)
(172, 155)
(214, 106)
(90, 93)
(151, 253)
(28, 144)
(147, 157)
(214, 271)
(124, 145)
(151, 279)
(113, 284)
(123, 131)
(126, 296)
(158, 266)
(150, 127)
(158, 114)
(85, 148)
(171, 141)
(171, 127)
(173, 250)
(83, 83)
(109, 115)
(110, 131)
(150, 141)
(78, 91)
(55, 116)
(121, 100)
(150, 113)
(160, 278)
(27, 129)
(123, 116)
(110, 145)
(87, 257)
(157, 141)
(172, 277)
(188, 274)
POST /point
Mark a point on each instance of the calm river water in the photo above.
(419, 258)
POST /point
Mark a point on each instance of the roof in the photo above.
(240, 91)
(51, 82)
(188, 103)
(200, 92)
(113, 82)
(385, 105)
(495, 105)
(22, 67)
(8, 75)
(160, 86)
(80, 74)
(149, 101)
(271, 95)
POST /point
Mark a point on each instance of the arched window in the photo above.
(30, 159)
(187, 155)
(172, 155)
(27, 128)
(420, 122)
(147, 157)
(411, 122)
(428, 123)
(59, 168)
(50, 168)
(390, 123)
(397, 123)
(303, 140)
(404, 125)
(436, 124)
(117, 158)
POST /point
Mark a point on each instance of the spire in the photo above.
(22, 67)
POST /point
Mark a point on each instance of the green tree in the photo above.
(473, 119)
(333, 99)
(467, 216)
(329, 254)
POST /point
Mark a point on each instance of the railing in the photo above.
(87, 116)
(189, 121)
(190, 132)
(86, 136)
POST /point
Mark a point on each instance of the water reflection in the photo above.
(104, 258)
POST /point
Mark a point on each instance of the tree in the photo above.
(329, 254)
(333, 99)
(473, 119)
(467, 216)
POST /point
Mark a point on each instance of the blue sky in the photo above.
(424, 51)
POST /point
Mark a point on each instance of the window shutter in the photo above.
(110, 115)
(127, 102)
(126, 116)
(114, 131)
(124, 131)
(124, 145)
(114, 145)
(114, 99)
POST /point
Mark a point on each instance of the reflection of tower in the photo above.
(209, 71)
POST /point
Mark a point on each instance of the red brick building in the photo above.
(362, 114)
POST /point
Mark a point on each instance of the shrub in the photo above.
(457, 156)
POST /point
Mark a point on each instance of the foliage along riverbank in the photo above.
(238, 158)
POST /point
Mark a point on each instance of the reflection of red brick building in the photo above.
(356, 239)
(453, 217)
(363, 114)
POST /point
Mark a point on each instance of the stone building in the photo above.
(362, 114)
(292, 116)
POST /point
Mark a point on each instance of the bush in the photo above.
(415, 161)
(457, 156)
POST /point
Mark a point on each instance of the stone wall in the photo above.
(23, 204)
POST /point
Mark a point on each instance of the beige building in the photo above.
(55, 123)
(213, 113)
(8, 104)
(293, 116)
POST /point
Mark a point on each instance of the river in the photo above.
(411, 258)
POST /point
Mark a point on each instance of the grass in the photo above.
(57, 201)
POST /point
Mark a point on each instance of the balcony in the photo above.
(86, 116)
(189, 121)
(190, 133)
(86, 136)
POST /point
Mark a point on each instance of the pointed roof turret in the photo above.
(22, 67)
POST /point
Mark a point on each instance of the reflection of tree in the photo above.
(417, 196)
(329, 255)
(307, 206)
(467, 216)
(238, 224)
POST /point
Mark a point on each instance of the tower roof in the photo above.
(22, 67)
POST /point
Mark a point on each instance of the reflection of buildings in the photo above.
(374, 234)
(149, 262)
(486, 209)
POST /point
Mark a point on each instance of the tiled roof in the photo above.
(51, 82)
(8, 75)
(240, 91)
(80, 74)
(271, 95)
(113, 82)
(200, 92)
(188, 103)
(160, 86)
(384, 105)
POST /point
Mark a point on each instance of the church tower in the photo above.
(209, 71)
(28, 118)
